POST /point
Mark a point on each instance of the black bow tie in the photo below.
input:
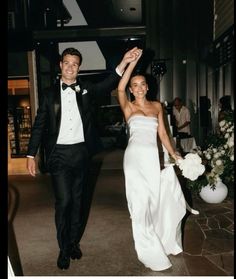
(72, 86)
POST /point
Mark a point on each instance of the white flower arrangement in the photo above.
(191, 166)
(217, 157)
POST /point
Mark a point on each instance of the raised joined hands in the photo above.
(132, 55)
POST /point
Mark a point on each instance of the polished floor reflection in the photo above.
(107, 245)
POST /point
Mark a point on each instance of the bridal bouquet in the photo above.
(191, 166)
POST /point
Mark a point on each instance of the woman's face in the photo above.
(138, 86)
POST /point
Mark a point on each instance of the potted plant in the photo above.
(217, 156)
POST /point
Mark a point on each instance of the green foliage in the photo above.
(197, 185)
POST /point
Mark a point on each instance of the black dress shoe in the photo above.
(75, 252)
(63, 261)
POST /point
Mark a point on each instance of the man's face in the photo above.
(177, 105)
(69, 68)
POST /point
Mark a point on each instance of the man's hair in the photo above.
(178, 99)
(72, 51)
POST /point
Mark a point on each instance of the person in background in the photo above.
(225, 107)
(182, 118)
(64, 121)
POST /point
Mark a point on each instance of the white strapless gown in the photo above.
(155, 200)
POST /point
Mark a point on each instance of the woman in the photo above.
(155, 199)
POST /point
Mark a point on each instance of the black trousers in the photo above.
(69, 169)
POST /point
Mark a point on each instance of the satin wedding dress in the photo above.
(155, 200)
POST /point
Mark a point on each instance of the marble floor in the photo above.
(209, 239)
(107, 245)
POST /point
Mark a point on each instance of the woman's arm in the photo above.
(122, 97)
(163, 134)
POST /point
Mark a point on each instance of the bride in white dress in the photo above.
(155, 200)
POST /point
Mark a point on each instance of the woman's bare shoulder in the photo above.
(157, 104)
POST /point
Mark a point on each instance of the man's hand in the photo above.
(31, 166)
(184, 125)
(130, 56)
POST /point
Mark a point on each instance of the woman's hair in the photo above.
(134, 74)
(72, 51)
(225, 102)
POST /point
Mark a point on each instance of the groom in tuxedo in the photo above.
(64, 122)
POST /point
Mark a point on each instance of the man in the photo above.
(64, 123)
(182, 118)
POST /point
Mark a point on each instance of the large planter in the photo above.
(217, 195)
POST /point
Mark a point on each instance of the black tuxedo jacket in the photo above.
(47, 121)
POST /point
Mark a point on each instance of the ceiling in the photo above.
(116, 25)
(110, 13)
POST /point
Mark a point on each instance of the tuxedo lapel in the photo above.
(79, 102)
(57, 104)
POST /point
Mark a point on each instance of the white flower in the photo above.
(191, 166)
(232, 157)
(222, 123)
(222, 129)
(230, 142)
(216, 155)
(77, 88)
(208, 156)
(218, 162)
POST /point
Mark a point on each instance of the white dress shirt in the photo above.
(71, 128)
(181, 117)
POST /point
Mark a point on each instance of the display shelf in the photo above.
(19, 129)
